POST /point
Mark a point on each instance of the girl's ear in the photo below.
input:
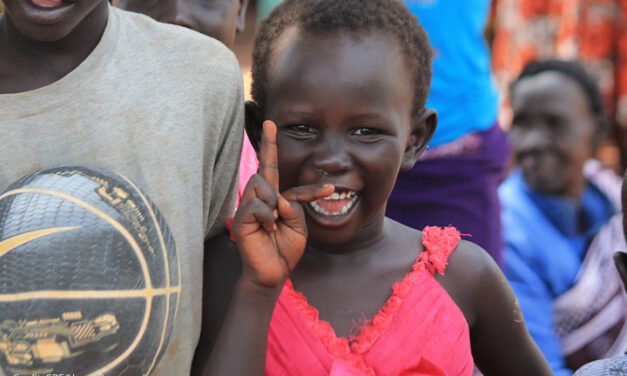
(422, 129)
(254, 124)
(241, 16)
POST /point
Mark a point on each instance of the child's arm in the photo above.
(221, 270)
(271, 234)
(500, 342)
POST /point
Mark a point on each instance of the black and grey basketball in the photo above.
(89, 275)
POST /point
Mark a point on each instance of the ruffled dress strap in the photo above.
(439, 243)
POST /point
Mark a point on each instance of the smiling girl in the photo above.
(321, 282)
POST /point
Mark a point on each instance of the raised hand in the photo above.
(269, 227)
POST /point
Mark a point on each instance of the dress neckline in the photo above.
(438, 244)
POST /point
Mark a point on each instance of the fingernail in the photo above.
(283, 201)
(276, 214)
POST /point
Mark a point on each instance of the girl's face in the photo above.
(343, 109)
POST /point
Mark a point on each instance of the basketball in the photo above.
(89, 275)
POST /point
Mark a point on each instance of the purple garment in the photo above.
(456, 184)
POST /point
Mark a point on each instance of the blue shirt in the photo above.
(462, 90)
(579, 223)
(546, 240)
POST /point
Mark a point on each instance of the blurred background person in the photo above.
(455, 181)
(219, 19)
(593, 32)
(561, 218)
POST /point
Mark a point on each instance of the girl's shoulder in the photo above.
(469, 277)
(467, 273)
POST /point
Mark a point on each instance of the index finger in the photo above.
(268, 155)
(308, 193)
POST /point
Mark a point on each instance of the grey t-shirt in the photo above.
(161, 105)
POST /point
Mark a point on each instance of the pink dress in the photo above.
(419, 330)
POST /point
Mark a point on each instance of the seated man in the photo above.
(560, 221)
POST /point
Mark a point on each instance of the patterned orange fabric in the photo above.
(591, 31)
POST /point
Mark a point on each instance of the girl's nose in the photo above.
(332, 160)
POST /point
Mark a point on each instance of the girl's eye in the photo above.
(368, 132)
(301, 129)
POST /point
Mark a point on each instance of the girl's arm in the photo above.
(221, 273)
(501, 344)
(236, 318)
(270, 232)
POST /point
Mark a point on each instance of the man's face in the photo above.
(49, 20)
(219, 19)
(553, 132)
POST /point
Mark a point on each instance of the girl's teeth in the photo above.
(352, 197)
(340, 196)
(333, 196)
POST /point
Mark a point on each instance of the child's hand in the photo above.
(269, 227)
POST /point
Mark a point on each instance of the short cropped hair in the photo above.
(577, 73)
(328, 17)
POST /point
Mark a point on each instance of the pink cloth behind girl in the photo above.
(419, 330)
(248, 165)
